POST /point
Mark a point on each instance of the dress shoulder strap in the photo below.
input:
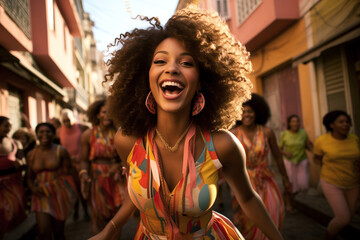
(207, 137)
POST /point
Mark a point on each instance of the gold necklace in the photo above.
(176, 146)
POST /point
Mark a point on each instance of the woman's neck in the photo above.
(250, 127)
(171, 126)
(338, 136)
(293, 130)
(46, 145)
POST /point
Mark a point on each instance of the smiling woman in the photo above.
(176, 90)
(338, 153)
(50, 177)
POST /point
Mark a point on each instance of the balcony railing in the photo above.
(18, 11)
(245, 8)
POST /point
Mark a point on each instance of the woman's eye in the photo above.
(159, 61)
(189, 64)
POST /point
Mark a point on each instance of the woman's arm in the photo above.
(20, 162)
(66, 159)
(112, 228)
(278, 158)
(31, 175)
(309, 145)
(318, 159)
(232, 157)
(84, 164)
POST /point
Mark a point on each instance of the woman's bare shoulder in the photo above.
(227, 147)
(124, 143)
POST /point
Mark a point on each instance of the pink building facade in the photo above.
(39, 70)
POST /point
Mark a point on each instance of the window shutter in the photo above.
(334, 80)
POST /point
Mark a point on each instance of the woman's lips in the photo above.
(171, 88)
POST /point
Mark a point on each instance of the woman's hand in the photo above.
(288, 155)
(115, 171)
(85, 182)
(108, 233)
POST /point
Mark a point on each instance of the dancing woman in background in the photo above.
(69, 134)
(258, 140)
(338, 153)
(175, 90)
(100, 167)
(293, 143)
(50, 178)
(12, 194)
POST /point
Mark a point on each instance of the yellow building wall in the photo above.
(278, 53)
(331, 16)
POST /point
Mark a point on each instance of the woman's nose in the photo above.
(172, 68)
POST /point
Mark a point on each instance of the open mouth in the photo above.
(171, 88)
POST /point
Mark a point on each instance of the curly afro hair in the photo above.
(93, 110)
(260, 107)
(223, 66)
(330, 118)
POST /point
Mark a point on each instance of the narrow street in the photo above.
(296, 226)
(308, 223)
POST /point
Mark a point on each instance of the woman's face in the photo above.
(173, 76)
(66, 121)
(103, 118)
(5, 128)
(45, 135)
(341, 125)
(294, 124)
(248, 116)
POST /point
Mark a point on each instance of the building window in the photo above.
(50, 14)
(222, 8)
(245, 8)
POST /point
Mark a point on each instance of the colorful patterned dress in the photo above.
(59, 188)
(186, 212)
(12, 194)
(263, 182)
(106, 194)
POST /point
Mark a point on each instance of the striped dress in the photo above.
(263, 182)
(12, 194)
(106, 194)
(186, 212)
(60, 192)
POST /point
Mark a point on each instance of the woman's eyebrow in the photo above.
(165, 52)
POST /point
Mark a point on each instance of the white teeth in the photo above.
(170, 83)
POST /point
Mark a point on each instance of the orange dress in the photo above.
(263, 182)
